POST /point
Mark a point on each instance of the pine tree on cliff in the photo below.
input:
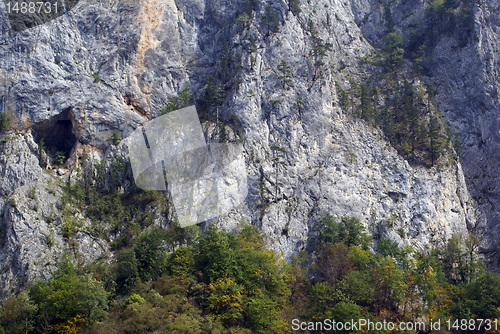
(436, 146)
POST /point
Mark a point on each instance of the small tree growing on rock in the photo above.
(4, 121)
(270, 19)
(286, 73)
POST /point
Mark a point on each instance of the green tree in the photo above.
(184, 97)
(423, 136)
(299, 284)
(322, 299)
(453, 257)
(67, 296)
(388, 125)
(402, 255)
(226, 300)
(300, 104)
(482, 297)
(4, 121)
(176, 102)
(358, 287)
(346, 311)
(212, 96)
(115, 137)
(351, 232)
(60, 157)
(389, 286)
(149, 311)
(474, 264)
(294, 6)
(327, 302)
(436, 143)
(270, 19)
(320, 48)
(223, 137)
(367, 108)
(244, 19)
(431, 94)
(434, 294)
(343, 97)
(406, 148)
(251, 278)
(150, 251)
(127, 272)
(249, 6)
(353, 94)
(252, 46)
(286, 73)
(18, 314)
(217, 254)
(394, 51)
(170, 106)
(264, 314)
(181, 262)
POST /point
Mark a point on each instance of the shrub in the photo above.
(150, 251)
(294, 6)
(176, 102)
(127, 273)
(286, 73)
(18, 314)
(244, 19)
(4, 121)
(350, 232)
(68, 296)
(213, 96)
(115, 137)
(60, 157)
(271, 19)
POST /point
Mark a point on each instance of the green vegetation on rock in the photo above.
(220, 282)
(4, 122)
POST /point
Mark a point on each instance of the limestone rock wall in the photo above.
(112, 65)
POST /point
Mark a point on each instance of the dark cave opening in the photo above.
(56, 136)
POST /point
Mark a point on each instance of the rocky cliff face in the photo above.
(111, 65)
(469, 84)
(466, 78)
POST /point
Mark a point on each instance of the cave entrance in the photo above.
(56, 136)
